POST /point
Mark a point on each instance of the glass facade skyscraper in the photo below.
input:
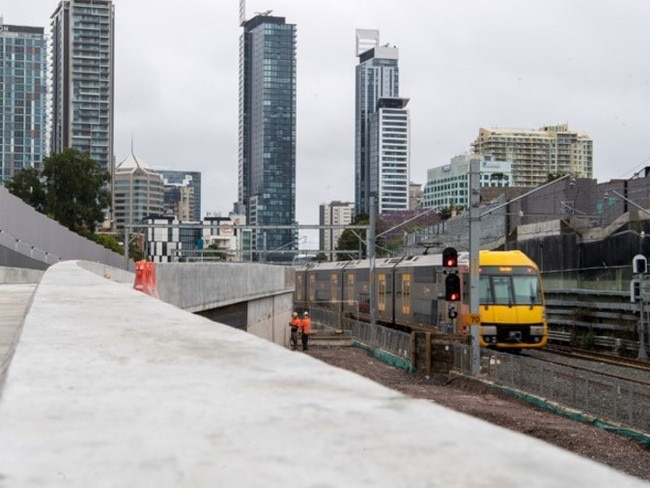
(184, 179)
(267, 130)
(82, 78)
(23, 99)
(377, 76)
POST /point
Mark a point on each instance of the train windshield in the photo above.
(512, 285)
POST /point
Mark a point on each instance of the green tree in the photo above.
(353, 240)
(109, 242)
(77, 193)
(29, 187)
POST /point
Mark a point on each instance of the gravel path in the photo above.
(621, 453)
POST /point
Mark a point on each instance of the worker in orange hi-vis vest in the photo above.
(295, 325)
(305, 325)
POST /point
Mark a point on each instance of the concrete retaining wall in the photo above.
(17, 276)
(32, 240)
(200, 287)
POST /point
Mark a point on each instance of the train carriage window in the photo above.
(485, 290)
(527, 290)
(502, 289)
(516, 286)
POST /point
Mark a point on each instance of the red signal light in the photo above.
(450, 257)
(452, 288)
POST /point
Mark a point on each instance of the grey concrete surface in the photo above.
(110, 387)
(14, 300)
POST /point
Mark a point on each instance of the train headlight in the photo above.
(489, 330)
(537, 330)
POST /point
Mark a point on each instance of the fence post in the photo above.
(414, 350)
(427, 364)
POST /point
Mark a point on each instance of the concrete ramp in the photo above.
(110, 387)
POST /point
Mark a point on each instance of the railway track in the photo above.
(616, 368)
(600, 357)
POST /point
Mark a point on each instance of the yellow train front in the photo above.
(511, 298)
(410, 294)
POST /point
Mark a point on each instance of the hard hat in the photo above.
(306, 313)
(294, 314)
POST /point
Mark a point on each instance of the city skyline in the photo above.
(465, 66)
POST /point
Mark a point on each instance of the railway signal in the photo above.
(450, 257)
(452, 281)
(452, 288)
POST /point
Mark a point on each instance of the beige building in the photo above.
(536, 153)
(138, 192)
(335, 214)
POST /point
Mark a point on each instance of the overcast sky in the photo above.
(464, 64)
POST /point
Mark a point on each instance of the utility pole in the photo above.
(371, 256)
(474, 243)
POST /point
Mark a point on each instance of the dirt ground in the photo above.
(619, 452)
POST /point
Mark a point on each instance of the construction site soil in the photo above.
(474, 398)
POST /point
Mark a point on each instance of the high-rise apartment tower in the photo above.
(377, 77)
(535, 154)
(388, 155)
(23, 98)
(267, 130)
(82, 78)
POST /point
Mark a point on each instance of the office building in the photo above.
(377, 77)
(447, 186)
(182, 194)
(138, 192)
(267, 130)
(337, 215)
(388, 155)
(23, 99)
(535, 154)
(416, 196)
(82, 79)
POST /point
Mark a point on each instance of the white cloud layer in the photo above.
(464, 64)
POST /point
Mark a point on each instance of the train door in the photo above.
(381, 293)
(349, 289)
(406, 294)
(334, 286)
(312, 287)
(300, 287)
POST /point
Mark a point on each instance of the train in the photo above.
(409, 294)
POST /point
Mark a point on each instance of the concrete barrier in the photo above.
(17, 276)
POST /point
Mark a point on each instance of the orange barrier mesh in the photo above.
(145, 278)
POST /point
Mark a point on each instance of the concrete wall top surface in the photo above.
(110, 387)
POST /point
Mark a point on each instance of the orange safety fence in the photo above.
(145, 278)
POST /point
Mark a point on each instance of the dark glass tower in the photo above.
(23, 95)
(267, 130)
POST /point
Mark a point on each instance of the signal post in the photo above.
(474, 243)
(639, 269)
